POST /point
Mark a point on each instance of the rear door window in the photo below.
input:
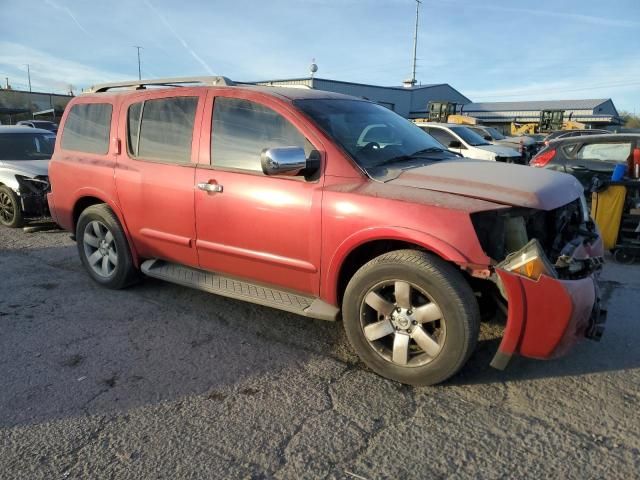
(87, 128)
(606, 152)
(162, 129)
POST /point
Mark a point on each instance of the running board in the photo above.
(239, 289)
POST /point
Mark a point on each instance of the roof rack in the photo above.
(212, 81)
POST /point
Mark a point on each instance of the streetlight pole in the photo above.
(28, 76)
(415, 42)
(139, 70)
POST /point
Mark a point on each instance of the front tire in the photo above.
(411, 317)
(10, 209)
(103, 248)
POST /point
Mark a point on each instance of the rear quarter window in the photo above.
(87, 128)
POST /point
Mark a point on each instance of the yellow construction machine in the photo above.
(549, 121)
(445, 112)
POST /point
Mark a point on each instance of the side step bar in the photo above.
(239, 289)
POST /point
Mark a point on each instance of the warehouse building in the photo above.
(408, 101)
(595, 113)
(412, 102)
(16, 105)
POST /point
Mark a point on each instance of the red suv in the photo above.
(327, 206)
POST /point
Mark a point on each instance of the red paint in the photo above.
(545, 318)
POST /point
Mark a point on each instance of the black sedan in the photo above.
(585, 157)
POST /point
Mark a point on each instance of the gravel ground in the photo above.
(159, 381)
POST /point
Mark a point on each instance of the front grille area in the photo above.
(553, 229)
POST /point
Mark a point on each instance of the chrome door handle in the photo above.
(210, 187)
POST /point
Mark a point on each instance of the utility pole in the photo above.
(138, 47)
(28, 76)
(415, 42)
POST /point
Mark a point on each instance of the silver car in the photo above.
(523, 144)
(24, 179)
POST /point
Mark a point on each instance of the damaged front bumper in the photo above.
(546, 316)
(33, 195)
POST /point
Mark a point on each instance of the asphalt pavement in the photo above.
(160, 381)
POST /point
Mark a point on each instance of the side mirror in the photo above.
(289, 161)
(455, 144)
(488, 138)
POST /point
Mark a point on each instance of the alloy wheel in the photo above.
(100, 248)
(402, 323)
(7, 208)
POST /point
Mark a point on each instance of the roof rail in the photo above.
(212, 81)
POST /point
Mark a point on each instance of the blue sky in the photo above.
(489, 50)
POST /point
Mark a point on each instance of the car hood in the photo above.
(499, 150)
(508, 184)
(28, 168)
(516, 140)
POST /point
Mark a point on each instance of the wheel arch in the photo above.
(363, 246)
(91, 198)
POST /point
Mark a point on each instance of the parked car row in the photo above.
(465, 141)
(327, 206)
(589, 156)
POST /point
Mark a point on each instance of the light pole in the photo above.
(415, 42)
(28, 76)
(138, 47)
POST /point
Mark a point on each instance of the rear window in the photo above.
(87, 128)
(162, 129)
(608, 152)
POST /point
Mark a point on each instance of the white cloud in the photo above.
(179, 38)
(49, 72)
(66, 10)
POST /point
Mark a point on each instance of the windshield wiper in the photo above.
(413, 156)
(427, 150)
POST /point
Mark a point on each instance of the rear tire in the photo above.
(10, 209)
(104, 249)
(411, 317)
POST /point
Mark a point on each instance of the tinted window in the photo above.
(26, 146)
(133, 127)
(469, 136)
(442, 136)
(612, 152)
(87, 128)
(241, 130)
(166, 129)
(357, 126)
(495, 133)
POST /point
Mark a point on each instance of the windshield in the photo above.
(26, 146)
(44, 124)
(495, 133)
(469, 136)
(373, 135)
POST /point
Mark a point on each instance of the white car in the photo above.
(461, 139)
(24, 181)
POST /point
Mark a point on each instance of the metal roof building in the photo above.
(594, 112)
(20, 105)
(410, 102)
